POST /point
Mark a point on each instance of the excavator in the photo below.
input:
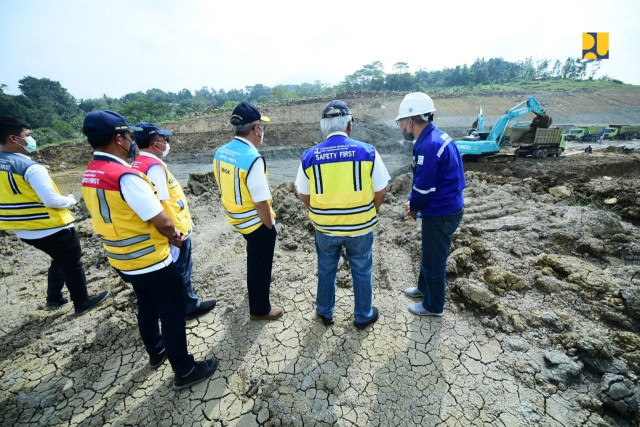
(485, 146)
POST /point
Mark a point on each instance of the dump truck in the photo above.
(576, 133)
(629, 132)
(545, 142)
(585, 133)
(611, 131)
(593, 133)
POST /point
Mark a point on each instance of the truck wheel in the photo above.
(536, 154)
(544, 153)
(560, 150)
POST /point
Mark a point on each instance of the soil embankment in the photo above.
(540, 326)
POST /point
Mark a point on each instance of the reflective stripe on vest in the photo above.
(20, 206)
(341, 189)
(231, 166)
(176, 206)
(130, 243)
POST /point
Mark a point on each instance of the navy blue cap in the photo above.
(149, 130)
(105, 123)
(245, 113)
(335, 109)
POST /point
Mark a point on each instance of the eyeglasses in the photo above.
(124, 135)
(400, 121)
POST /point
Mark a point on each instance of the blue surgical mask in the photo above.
(31, 144)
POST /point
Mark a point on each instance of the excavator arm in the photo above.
(531, 105)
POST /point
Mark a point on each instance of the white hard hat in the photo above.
(415, 104)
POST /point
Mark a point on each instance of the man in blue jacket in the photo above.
(436, 193)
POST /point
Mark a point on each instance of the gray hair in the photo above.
(334, 124)
(243, 130)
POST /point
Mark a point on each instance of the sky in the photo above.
(116, 47)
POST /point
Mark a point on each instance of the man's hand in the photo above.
(177, 239)
(264, 212)
(72, 197)
(408, 210)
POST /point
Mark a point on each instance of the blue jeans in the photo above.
(437, 235)
(157, 293)
(185, 266)
(360, 256)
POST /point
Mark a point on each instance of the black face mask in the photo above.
(407, 136)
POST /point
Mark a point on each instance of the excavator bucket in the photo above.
(541, 121)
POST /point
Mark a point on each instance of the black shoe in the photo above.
(91, 302)
(158, 359)
(326, 321)
(370, 321)
(201, 371)
(55, 305)
(203, 308)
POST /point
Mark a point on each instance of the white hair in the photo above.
(334, 124)
(243, 130)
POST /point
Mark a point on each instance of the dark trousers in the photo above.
(437, 235)
(260, 247)
(66, 268)
(160, 298)
(185, 266)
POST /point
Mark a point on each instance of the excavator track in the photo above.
(497, 158)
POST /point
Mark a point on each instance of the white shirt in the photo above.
(379, 177)
(256, 179)
(136, 192)
(158, 176)
(38, 178)
(141, 198)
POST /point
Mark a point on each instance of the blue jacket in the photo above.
(438, 174)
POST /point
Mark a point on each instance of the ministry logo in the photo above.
(595, 45)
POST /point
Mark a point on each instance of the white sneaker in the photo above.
(418, 309)
(413, 292)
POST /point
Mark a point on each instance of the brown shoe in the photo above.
(275, 313)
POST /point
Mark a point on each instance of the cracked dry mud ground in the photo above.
(540, 325)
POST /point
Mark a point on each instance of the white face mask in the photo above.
(165, 153)
(31, 144)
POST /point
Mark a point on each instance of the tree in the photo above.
(145, 110)
(401, 67)
(49, 95)
(369, 77)
(257, 91)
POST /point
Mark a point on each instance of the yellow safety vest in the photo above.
(130, 243)
(20, 206)
(341, 189)
(176, 206)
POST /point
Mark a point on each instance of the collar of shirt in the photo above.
(245, 140)
(117, 159)
(153, 156)
(424, 134)
(337, 133)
